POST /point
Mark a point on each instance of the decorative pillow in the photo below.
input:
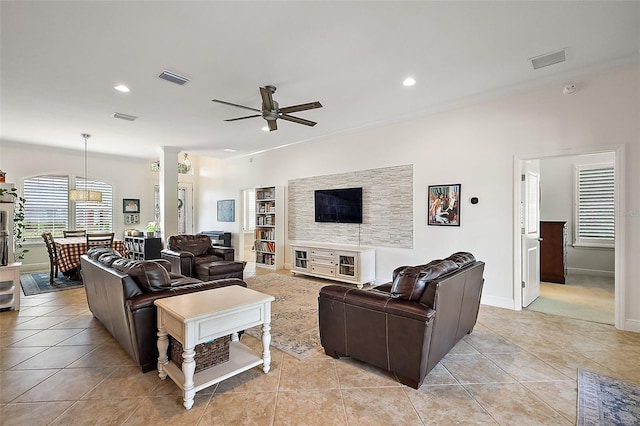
(462, 258)
(149, 275)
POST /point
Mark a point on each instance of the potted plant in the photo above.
(152, 229)
(10, 195)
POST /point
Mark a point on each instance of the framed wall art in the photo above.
(443, 205)
(226, 211)
(130, 205)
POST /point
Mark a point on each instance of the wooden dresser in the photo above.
(553, 252)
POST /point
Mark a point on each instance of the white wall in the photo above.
(556, 204)
(476, 146)
(130, 177)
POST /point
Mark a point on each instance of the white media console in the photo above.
(350, 264)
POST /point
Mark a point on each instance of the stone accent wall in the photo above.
(387, 202)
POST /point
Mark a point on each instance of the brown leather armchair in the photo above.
(408, 325)
(187, 252)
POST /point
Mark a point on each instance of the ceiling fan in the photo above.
(271, 111)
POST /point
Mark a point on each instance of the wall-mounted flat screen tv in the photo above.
(339, 205)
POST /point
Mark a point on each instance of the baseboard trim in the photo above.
(498, 302)
(632, 325)
(592, 272)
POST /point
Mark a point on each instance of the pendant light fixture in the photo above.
(85, 195)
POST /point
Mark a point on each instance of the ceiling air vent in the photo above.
(549, 59)
(173, 77)
(124, 116)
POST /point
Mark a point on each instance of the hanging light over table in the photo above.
(85, 195)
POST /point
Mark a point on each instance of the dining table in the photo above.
(71, 248)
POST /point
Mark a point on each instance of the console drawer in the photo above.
(323, 252)
(327, 270)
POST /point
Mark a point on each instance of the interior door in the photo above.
(530, 231)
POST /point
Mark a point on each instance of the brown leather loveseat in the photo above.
(408, 325)
(120, 293)
(194, 256)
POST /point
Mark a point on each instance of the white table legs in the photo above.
(266, 341)
(188, 368)
(163, 347)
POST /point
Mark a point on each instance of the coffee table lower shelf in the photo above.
(241, 358)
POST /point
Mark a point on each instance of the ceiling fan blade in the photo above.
(297, 120)
(301, 107)
(267, 98)
(242, 118)
(235, 105)
(272, 125)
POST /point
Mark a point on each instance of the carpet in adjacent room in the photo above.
(603, 400)
(38, 282)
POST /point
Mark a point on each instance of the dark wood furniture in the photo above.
(553, 256)
(141, 248)
(53, 256)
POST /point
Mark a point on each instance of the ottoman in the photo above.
(209, 271)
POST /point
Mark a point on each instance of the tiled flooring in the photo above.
(59, 366)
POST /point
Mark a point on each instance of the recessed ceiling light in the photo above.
(122, 88)
(409, 81)
(229, 150)
(265, 129)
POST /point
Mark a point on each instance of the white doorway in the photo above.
(522, 255)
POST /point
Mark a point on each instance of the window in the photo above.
(47, 205)
(92, 216)
(249, 221)
(595, 206)
(48, 208)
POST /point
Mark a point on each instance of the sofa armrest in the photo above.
(375, 300)
(147, 299)
(226, 253)
(181, 261)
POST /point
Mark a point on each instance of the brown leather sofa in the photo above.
(120, 293)
(194, 256)
(408, 325)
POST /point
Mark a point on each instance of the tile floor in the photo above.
(58, 366)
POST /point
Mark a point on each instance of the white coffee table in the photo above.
(202, 316)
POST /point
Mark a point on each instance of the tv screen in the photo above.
(339, 205)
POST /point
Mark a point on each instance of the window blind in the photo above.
(46, 206)
(93, 216)
(595, 216)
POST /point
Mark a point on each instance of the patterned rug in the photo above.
(294, 312)
(38, 282)
(604, 400)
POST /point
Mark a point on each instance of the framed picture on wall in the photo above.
(226, 211)
(443, 205)
(130, 205)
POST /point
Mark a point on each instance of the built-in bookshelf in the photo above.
(269, 233)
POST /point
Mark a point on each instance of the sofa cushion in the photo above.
(109, 258)
(95, 252)
(462, 258)
(406, 285)
(411, 281)
(206, 259)
(197, 244)
(149, 275)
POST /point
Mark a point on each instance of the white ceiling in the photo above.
(60, 61)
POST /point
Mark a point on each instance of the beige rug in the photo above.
(294, 312)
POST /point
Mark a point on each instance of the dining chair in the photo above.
(53, 256)
(74, 233)
(100, 240)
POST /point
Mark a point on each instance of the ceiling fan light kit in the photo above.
(271, 111)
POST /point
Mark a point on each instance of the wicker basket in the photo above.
(207, 354)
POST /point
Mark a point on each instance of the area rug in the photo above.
(294, 312)
(38, 282)
(604, 400)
